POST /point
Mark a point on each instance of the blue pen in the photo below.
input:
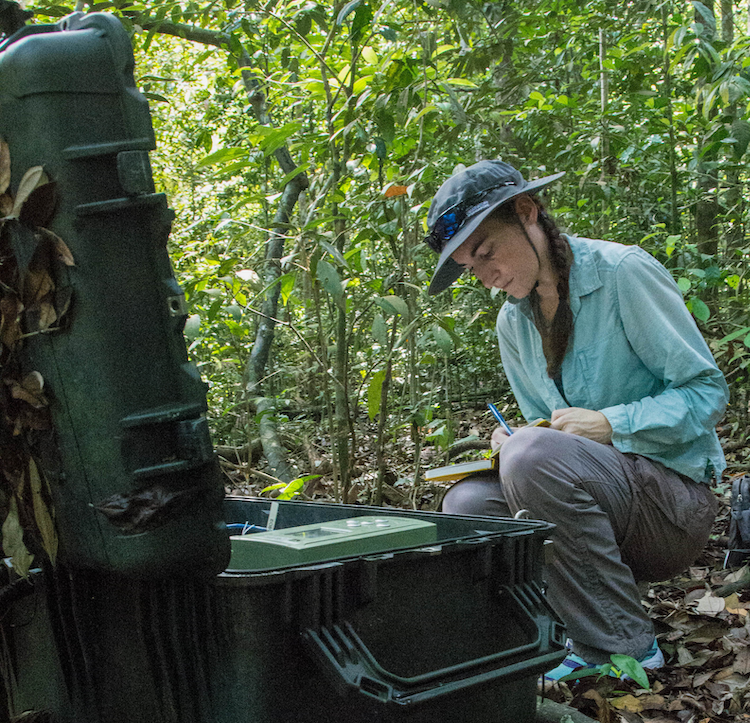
(496, 414)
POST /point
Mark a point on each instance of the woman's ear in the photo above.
(526, 209)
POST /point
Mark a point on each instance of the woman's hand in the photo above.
(499, 438)
(583, 422)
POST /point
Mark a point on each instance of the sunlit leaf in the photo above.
(374, 393)
(395, 191)
(631, 667)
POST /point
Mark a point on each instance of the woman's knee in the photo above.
(523, 455)
(475, 496)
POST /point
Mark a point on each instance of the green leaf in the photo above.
(331, 281)
(347, 10)
(192, 327)
(684, 284)
(370, 55)
(394, 304)
(631, 667)
(741, 132)
(700, 310)
(223, 155)
(734, 335)
(286, 286)
(374, 392)
(460, 82)
(442, 338)
(331, 249)
(379, 330)
(707, 17)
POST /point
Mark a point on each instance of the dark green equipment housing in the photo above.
(456, 631)
(134, 479)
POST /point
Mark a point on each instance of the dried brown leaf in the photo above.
(61, 248)
(10, 319)
(710, 605)
(37, 283)
(63, 297)
(742, 661)
(33, 178)
(47, 316)
(145, 509)
(701, 678)
(40, 205)
(42, 513)
(4, 166)
(6, 205)
(627, 702)
(13, 544)
(29, 390)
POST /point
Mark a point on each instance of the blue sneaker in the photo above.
(574, 667)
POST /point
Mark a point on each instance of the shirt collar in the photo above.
(584, 273)
(584, 277)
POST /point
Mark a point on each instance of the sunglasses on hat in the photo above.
(449, 224)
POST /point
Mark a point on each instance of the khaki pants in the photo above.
(619, 518)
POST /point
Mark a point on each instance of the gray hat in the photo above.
(463, 202)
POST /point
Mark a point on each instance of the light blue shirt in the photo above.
(636, 356)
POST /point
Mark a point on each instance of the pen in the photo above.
(496, 414)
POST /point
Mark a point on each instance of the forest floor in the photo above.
(705, 637)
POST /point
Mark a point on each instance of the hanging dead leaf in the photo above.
(4, 166)
(41, 316)
(36, 284)
(6, 205)
(63, 297)
(42, 513)
(145, 509)
(40, 205)
(33, 178)
(13, 544)
(61, 248)
(10, 319)
(29, 390)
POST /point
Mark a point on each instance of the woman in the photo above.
(595, 337)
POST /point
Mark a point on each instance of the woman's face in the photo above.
(499, 255)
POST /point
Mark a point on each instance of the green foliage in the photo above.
(290, 490)
(377, 104)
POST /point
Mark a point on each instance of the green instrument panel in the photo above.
(327, 540)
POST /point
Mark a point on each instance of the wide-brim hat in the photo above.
(471, 195)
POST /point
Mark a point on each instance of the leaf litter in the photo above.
(32, 302)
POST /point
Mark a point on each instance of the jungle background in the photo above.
(300, 144)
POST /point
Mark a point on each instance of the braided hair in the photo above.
(556, 335)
